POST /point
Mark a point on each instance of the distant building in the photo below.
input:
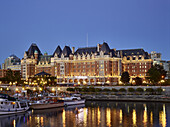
(88, 65)
(12, 62)
(168, 72)
(156, 57)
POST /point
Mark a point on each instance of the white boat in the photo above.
(46, 104)
(12, 107)
(73, 101)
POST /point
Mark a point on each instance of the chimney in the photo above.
(98, 47)
(73, 50)
(121, 54)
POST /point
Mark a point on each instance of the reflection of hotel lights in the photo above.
(42, 121)
(120, 116)
(108, 117)
(162, 117)
(98, 115)
(151, 118)
(14, 123)
(64, 117)
(38, 120)
(145, 115)
(134, 117)
(85, 116)
(93, 118)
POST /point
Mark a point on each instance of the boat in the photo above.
(12, 106)
(72, 101)
(46, 103)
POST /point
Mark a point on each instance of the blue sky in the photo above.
(123, 24)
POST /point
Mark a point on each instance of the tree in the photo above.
(17, 77)
(161, 70)
(154, 75)
(71, 89)
(122, 90)
(131, 89)
(139, 90)
(138, 81)
(114, 90)
(149, 90)
(125, 77)
(159, 90)
(9, 76)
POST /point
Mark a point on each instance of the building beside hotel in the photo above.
(12, 62)
(89, 65)
(156, 57)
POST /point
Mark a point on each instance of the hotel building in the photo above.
(89, 65)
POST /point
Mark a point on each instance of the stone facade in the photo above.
(89, 65)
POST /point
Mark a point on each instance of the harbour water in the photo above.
(95, 114)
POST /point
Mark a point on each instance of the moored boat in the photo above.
(45, 104)
(12, 107)
(72, 101)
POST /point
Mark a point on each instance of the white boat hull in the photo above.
(46, 106)
(7, 112)
(74, 102)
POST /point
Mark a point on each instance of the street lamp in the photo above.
(53, 89)
(40, 89)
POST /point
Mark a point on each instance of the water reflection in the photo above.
(134, 117)
(94, 114)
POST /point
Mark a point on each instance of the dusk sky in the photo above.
(123, 24)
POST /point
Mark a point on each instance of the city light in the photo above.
(16, 89)
(53, 89)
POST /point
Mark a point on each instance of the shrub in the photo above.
(114, 90)
(149, 90)
(106, 90)
(71, 89)
(122, 90)
(84, 89)
(138, 81)
(139, 90)
(159, 90)
(77, 89)
(131, 89)
(91, 89)
(98, 89)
